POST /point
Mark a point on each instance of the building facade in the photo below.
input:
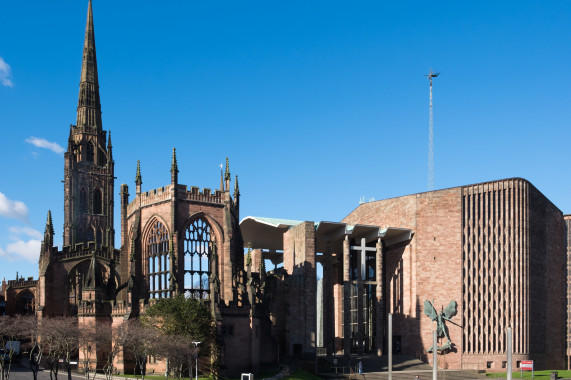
(497, 249)
(174, 240)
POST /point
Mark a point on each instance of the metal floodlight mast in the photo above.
(431, 135)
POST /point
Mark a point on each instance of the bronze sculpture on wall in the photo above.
(441, 328)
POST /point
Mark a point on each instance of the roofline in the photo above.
(462, 186)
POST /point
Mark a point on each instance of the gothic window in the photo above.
(99, 235)
(198, 241)
(26, 303)
(80, 236)
(82, 200)
(90, 152)
(97, 201)
(157, 254)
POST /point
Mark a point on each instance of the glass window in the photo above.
(197, 255)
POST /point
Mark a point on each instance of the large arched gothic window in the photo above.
(198, 240)
(97, 202)
(158, 265)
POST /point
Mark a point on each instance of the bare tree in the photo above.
(110, 339)
(66, 339)
(178, 350)
(87, 345)
(10, 331)
(141, 342)
(51, 348)
(34, 345)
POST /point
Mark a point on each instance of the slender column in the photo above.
(390, 377)
(346, 298)
(328, 328)
(380, 315)
(360, 279)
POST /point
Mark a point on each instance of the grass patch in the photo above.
(153, 377)
(270, 372)
(541, 375)
(301, 374)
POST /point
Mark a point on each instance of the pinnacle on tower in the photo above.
(93, 279)
(138, 179)
(48, 241)
(89, 106)
(236, 189)
(109, 141)
(227, 176)
(174, 165)
(227, 172)
(49, 224)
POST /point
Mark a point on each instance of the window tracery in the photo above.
(158, 264)
(198, 240)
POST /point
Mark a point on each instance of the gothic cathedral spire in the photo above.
(89, 106)
(89, 166)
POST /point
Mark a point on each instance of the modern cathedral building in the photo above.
(486, 256)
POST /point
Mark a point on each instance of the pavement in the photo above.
(20, 373)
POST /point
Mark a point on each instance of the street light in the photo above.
(196, 346)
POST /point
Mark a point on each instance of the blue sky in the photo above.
(317, 104)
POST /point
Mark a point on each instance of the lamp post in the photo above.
(196, 347)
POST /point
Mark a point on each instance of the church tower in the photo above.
(89, 166)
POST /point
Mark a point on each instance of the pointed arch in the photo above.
(199, 236)
(26, 302)
(156, 242)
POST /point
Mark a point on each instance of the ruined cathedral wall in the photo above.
(300, 261)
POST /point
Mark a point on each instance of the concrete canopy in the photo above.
(267, 233)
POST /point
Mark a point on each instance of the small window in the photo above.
(90, 152)
(489, 364)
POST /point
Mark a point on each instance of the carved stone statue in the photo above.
(441, 329)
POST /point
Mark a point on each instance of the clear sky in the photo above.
(317, 103)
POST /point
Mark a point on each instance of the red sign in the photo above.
(526, 365)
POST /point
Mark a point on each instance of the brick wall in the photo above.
(501, 242)
(300, 261)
